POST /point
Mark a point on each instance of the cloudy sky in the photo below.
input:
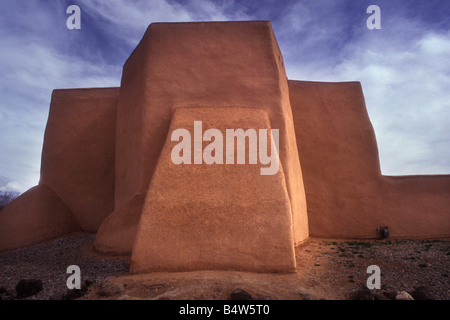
(404, 67)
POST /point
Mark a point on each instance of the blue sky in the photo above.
(404, 67)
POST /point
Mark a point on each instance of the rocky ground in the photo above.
(48, 262)
(327, 269)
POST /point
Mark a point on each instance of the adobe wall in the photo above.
(217, 64)
(37, 215)
(346, 194)
(101, 150)
(117, 233)
(215, 216)
(78, 156)
(417, 206)
(76, 188)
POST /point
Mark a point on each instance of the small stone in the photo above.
(110, 289)
(305, 296)
(403, 295)
(362, 294)
(390, 294)
(72, 294)
(380, 296)
(88, 283)
(7, 294)
(239, 294)
(423, 293)
(28, 287)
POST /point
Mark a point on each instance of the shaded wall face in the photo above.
(334, 129)
(78, 157)
(194, 65)
(37, 215)
(339, 157)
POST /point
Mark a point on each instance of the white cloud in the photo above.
(26, 88)
(8, 185)
(408, 100)
(32, 65)
(12, 186)
(404, 71)
(128, 20)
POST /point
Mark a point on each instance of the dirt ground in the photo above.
(330, 269)
(327, 269)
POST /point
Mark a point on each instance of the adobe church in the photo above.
(106, 161)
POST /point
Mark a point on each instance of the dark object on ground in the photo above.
(77, 293)
(362, 294)
(391, 294)
(28, 287)
(7, 294)
(384, 232)
(423, 293)
(380, 296)
(109, 289)
(239, 294)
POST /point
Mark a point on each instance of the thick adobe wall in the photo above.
(78, 156)
(216, 64)
(215, 216)
(76, 188)
(117, 232)
(346, 194)
(339, 156)
(35, 216)
(417, 206)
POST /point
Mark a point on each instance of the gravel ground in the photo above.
(49, 261)
(327, 268)
(404, 264)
